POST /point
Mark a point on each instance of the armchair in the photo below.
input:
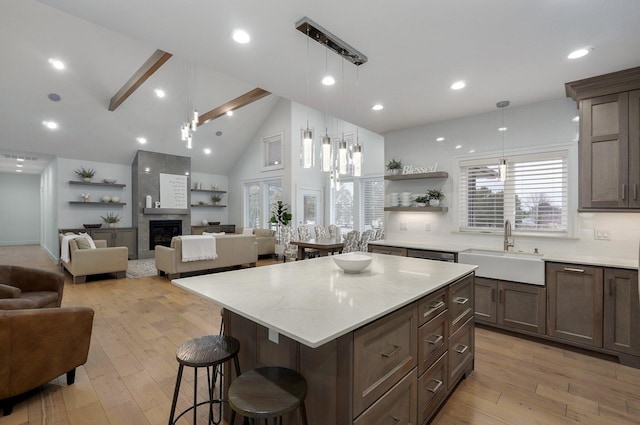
(24, 288)
(83, 262)
(37, 346)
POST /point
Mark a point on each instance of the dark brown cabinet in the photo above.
(609, 140)
(517, 306)
(621, 311)
(119, 236)
(574, 303)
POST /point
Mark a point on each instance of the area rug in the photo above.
(141, 268)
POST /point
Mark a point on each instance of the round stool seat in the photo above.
(267, 392)
(207, 350)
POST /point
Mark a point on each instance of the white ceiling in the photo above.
(504, 49)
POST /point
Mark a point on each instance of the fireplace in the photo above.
(161, 232)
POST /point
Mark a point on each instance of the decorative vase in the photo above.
(112, 225)
(434, 202)
(420, 204)
(394, 172)
(87, 179)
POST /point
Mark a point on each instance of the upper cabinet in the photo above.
(609, 149)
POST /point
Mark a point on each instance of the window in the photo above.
(533, 197)
(373, 203)
(273, 152)
(343, 211)
(358, 204)
(259, 197)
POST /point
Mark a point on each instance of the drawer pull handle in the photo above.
(397, 421)
(434, 339)
(462, 348)
(396, 348)
(460, 300)
(437, 387)
(433, 307)
(573, 269)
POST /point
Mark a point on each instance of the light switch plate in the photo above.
(427, 227)
(602, 234)
(274, 336)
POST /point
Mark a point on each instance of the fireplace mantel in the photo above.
(161, 211)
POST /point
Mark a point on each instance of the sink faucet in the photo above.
(507, 235)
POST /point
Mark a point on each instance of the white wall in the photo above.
(210, 214)
(49, 210)
(541, 126)
(19, 209)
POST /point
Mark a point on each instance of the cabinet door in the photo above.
(604, 150)
(105, 235)
(432, 389)
(460, 352)
(128, 238)
(634, 149)
(397, 407)
(522, 306)
(574, 303)
(621, 311)
(485, 300)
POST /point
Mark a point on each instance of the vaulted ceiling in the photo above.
(503, 49)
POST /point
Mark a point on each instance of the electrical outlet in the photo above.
(404, 226)
(601, 234)
(427, 227)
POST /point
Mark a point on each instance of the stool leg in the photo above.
(195, 394)
(303, 414)
(232, 420)
(210, 383)
(175, 394)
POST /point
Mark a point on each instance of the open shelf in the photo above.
(104, 204)
(417, 209)
(208, 206)
(434, 175)
(96, 184)
(209, 190)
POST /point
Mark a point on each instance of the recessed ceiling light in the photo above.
(458, 146)
(160, 93)
(207, 151)
(18, 171)
(328, 80)
(377, 107)
(458, 85)
(576, 119)
(229, 113)
(472, 151)
(502, 129)
(56, 63)
(141, 140)
(147, 169)
(20, 159)
(440, 139)
(240, 36)
(19, 165)
(52, 125)
(579, 53)
(186, 174)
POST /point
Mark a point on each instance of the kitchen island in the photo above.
(390, 342)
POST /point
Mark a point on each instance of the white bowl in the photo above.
(106, 199)
(352, 262)
(115, 199)
(110, 181)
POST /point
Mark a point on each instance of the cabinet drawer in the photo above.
(432, 339)
(383, 352)
(461, 348)
(432, 305)
(460, 303)
(432, 389)
(397, 407)
(389, 250)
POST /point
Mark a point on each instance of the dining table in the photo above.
(323, 245)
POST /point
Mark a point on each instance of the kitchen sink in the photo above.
(512, 266)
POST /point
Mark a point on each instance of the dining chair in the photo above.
(379, 234)
(334, 232)
(367, 236)
(321, 232)
(351, 241)
(304, 234)
(289, 234)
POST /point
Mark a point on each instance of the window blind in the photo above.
(373, 202)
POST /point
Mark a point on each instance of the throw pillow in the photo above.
(83, 243)
(247, 231)
(87, 238)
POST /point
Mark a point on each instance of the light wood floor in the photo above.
(130, 375)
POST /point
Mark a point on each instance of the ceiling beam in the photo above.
(232, 105)
(157, 59)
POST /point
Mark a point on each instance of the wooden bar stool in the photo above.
(209, 351)
(268, 393)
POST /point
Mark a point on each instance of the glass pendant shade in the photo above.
(194, 120)
(503, 170)
(326, 154)
(342, 157)
(357, 160)
(307, 148)
(189, 141)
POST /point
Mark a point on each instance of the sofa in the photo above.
(102, 259)
(38, 345)
(24, 288)
(232, 250)
(266, 239)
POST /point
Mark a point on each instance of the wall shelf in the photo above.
(166, 211)
(209, 190)
(417, 209)
(96, 184)
(208, 206)
(434, 175)
(105, 204)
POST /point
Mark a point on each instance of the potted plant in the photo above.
(111, 219)
(86, 173)
(394, 166)
(216, 199)
(280, 216)
(421, 201)
(435, 196)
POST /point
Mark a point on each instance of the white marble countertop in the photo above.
(314, 301)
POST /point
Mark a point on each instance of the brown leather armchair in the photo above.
(23, 287)
(38, 345)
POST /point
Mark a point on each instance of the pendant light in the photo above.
(326, 140)
(357, 149)
(306, 149)
(503, 162)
